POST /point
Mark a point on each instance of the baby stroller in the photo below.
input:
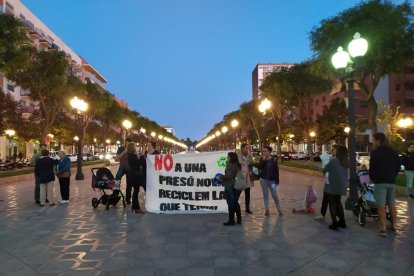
(103, 179)
(366, 205)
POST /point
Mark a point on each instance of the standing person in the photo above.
(33, 161)
(122, 157)
(324, 206)
(384, 165)
(336, 186)
(246, 162)
(231, 194)
(152, 148)
(63, 174)
(44, 169)
(134, 176)
(269, 179)
(408, 162)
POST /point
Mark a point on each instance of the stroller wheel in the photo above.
(107, 205)
(95, 202)
(361, 218)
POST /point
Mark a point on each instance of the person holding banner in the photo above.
(246, 162)
(231, 194)
(134, 176)
(269, 179)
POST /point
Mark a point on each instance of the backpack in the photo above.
(240, 182)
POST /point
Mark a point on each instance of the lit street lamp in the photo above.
(312, 135)
(343, 62)
(234, 123)
(404, 123)
(127, 125)
(10, 133)
(79, 106)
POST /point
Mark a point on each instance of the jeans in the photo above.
(409, 176)
(120, 173)
(64, 183)
(232, 198)
(266, 186)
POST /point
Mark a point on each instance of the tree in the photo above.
(251, 118)
(14, 49)
(294, 87)
(49, 79)
(10, 113)
(389, 29)
(332, 122)
(387, 118)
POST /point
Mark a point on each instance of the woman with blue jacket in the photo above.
(63, 173)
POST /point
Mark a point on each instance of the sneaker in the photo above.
(52, 204)
(392, 229)
(320, 217)
(249, 212)
(41, 205)
(47, 200)
(382, 233)
(64, 201)
(333, 227)
(37, 202)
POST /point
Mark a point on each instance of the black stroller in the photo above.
(366, 205)
(103, 179)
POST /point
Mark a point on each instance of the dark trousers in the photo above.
(247, 198)
(324, 206)
(128, 191)
(120, 173)
(336, 209)
(135, 201)
(64, 183)
(232, 198)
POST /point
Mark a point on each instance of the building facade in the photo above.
(261, 71)
(43, 39)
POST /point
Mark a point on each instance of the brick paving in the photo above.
(76, 239)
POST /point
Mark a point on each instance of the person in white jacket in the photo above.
(246, 161)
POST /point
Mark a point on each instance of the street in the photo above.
(76, 239)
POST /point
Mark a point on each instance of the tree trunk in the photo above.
(373, 110)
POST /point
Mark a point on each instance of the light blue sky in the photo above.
(185, 63)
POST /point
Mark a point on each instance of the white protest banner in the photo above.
(184, 183)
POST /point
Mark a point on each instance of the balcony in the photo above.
(29, 25)
(9, 10)
(46, 42)
(35, 33)
(27, 109)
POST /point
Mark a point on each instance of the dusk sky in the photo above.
(185, 63)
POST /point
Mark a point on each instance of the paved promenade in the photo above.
(76, 239)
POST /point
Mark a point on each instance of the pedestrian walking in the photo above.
(246, 162)
(336, 186)
(33, 161)
(231, 194)
(122, 157)
(63, 174)
(408, 162)
(44, 169)
(135, 176)
(384, 165)
(269, 179)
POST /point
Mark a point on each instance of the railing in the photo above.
(46, 40)
(24, 92)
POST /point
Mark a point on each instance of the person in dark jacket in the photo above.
(231, 194)
(384, 165)
(63, 173)
(135, 176)
(408, 162)
(33, 161)
(44, 169)
(335, 186)
(269, 179)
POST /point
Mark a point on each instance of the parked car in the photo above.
(73, 157)
(88, 157)
(286, 155)
(300, 155)
(107, 156)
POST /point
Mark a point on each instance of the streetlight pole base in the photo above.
(79, 176)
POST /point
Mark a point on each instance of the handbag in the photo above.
(64, 174)
(240, 182)
(253, 173)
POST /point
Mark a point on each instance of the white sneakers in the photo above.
(64, 201)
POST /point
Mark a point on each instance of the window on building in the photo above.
(409, 102)
(363, 103)
(323, 99)
(397, 87)
(409, 85)
(316, 102)
(398, 103)
(10, 87)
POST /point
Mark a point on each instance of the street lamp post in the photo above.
(343, 62)
(127, 125)
(263, 107)
(10, 133)
(312, 135)
(79, 106)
